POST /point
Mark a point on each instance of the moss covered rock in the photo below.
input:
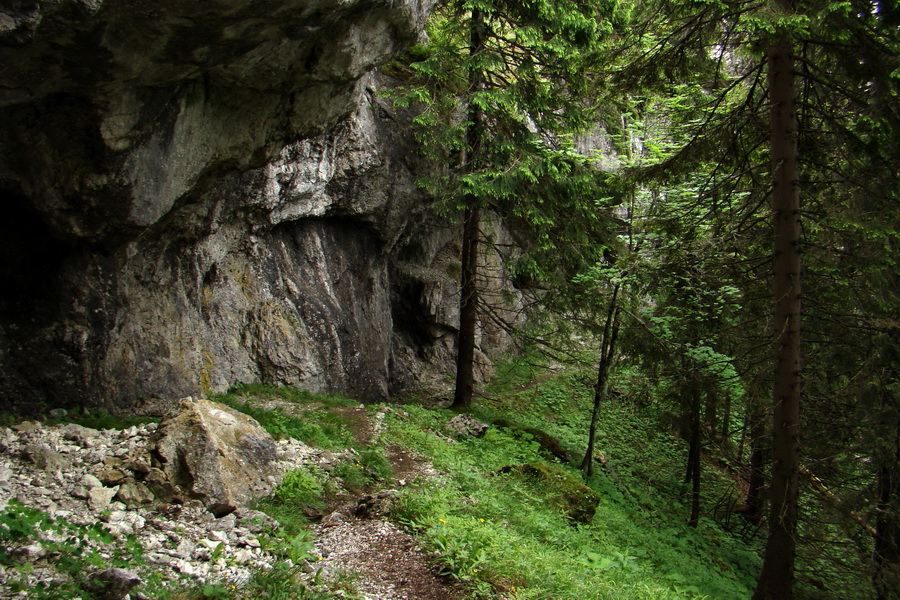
(562, 490)
(550, 446)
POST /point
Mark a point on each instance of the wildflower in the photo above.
(442, 521)
(481, 520)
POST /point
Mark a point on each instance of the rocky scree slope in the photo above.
(119, 514)
(101, 501)
(198, 194)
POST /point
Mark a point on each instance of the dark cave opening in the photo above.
(31, 261)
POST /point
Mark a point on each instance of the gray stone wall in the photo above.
(203, 193)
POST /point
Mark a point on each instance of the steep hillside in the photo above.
(386, 502)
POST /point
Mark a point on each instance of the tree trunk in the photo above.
(468, 308)
(709, 415)
(607, 353)
(776, 578)
(468, 288)
(755, 488)
(693, 466)
(886, 578)
(725, 429)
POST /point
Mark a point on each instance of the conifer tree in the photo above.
(776, 579)
(501, 86)
(840, 62)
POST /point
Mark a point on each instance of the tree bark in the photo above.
(607, 353)
(711, 408)
(776, 578)
(468, 305)
(468, 293)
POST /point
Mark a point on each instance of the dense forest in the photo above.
(734, 242)
(696, 202)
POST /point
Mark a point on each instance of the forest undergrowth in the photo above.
(491, 526)
(502, 532)
(506, 535)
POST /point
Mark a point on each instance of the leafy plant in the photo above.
(298, 487)
(502, 532)
(375, 463)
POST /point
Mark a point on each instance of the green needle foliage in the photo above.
(499, 92)
(533, 93)
(697, 73)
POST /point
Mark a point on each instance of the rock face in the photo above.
(202, 193)
(220, 456)
(115, 109)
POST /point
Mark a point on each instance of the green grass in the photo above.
(502, 534)
(295, 395)
(314, 425)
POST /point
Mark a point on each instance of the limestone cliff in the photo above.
(196, 194)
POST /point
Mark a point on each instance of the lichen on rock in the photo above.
(218, 455)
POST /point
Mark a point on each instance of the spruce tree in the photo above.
(837, 64)
(501, 87)
(777, 577)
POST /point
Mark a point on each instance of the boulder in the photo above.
(561, 489)
(467, 426)
(26, 427)
(91, 482)
(133, 493)
(160, 486)
(99, 498)
(46, 458)
(85, 436)
(550, 446)
(216, 454)
(110, 476)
